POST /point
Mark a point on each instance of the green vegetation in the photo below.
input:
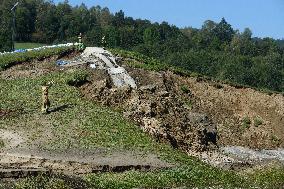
(257, 121)
(275, 139)
(77, 78)
(85, 125)
(138, 60)
(246, 122)
(216, 50)
(185, 89)
(28, 45)
(2, 144)
(9, 60)
(50, 182)
(188, 103)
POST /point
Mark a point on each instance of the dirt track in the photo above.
(17, 158)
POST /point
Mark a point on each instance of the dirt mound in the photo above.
(244, 117)
(194, 113)
(157, 109)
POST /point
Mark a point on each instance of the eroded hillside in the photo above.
(237, 115)
(81, 135)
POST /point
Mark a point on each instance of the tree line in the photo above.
(215, 50)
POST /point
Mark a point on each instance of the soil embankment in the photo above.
(196, 115)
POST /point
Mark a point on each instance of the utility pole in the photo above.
(14, 25)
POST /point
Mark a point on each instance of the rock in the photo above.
(164, 94)
(150, 88)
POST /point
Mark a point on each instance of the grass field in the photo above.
(28, 45)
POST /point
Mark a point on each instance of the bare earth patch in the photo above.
(11, 139)
(15, 160)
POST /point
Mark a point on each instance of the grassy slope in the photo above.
(28, 45)
(9, 60)
(103, 127)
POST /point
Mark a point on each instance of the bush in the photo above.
(77, 78)
(2, 144)
(246, 122)
(257, 122)
(185, 89)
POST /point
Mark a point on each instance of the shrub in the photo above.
(274, 138)
(77, 78)
(257, 122)
(246, 122)
(185, 89)
(188, 104)
(2, 144)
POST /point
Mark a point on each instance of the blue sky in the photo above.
(264, 17)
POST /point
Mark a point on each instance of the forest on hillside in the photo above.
(215, 50)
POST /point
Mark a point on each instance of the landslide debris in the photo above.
(196, 114)
(155, 106)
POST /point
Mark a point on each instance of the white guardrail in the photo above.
(40, 48)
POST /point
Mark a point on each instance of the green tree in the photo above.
(151, 35)
(5, 23)
(25, 20)
(47, 23)
(224, 31)
(247, 34)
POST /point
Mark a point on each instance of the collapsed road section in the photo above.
(99, 58)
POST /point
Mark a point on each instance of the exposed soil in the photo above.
(81, 161)
(227, 107)
(11, 139)
(160, 105)
(4, 113)
(35, 68)
(207, 116)
(19, 158)
(156, 108)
